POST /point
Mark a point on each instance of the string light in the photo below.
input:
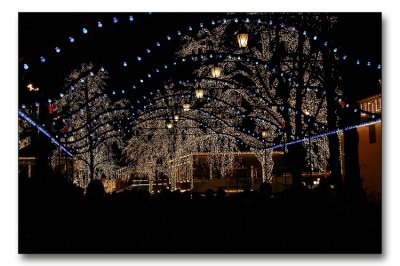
(41, 129)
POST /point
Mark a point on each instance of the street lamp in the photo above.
(186, 107)
(264, 134)
(169, 125)
(176, 117)
(199, 93)
(216, 72)
(242, 39)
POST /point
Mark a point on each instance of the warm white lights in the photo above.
(31, 88)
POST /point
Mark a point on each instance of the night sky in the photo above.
(358, 34)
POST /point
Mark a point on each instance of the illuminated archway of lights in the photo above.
(267, 111)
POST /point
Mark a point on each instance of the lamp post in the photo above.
(265, 134)
(69, 140)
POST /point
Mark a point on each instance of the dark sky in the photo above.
(39, 33)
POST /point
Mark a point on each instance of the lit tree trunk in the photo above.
(296, 153)
(89, 128)
(332, 117)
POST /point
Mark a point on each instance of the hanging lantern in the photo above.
(169, 125)
(66, 129)
(242, 39)
(264, 134)
(199, 93)
(176, 117)
(186, 107)
(216, 72)
(283, 124)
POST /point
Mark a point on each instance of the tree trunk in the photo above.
(332, 118)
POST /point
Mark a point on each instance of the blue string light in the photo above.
(85, 31)
(99, 24)
(323, 134)
(71, 39)
(41, 129)
(57, 50)
(26, 67)
(42, 59)
(131, 18)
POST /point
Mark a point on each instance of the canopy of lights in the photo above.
(255, 82)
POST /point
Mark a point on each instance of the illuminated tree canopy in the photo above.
(89, 121)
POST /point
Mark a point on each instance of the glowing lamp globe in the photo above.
(176, 117)
(186, 107)
(242, 39)
(216, 72)
(169, 125)
(264, 134)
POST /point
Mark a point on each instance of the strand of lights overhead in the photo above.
(337, 131)
(298, 112)
(218, 55)
(214, 23)
(72, 39)
(41, 129)
(335, 50)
